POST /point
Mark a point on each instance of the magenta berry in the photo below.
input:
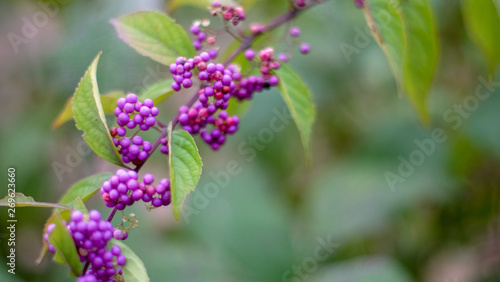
(249, 54)
(359, 3)
(295, 31)
(164, 146)
(283, 57)
(304, 48)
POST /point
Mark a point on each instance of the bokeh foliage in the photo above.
(269, 216)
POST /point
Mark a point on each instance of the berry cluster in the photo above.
(164, 146)
(218, 82)
(268, 63)
(123, 189)
(247, 86)
(223, 125)
(201, 35)
(229, 13)
(91, 235)
(304, 48)
(131, 113)
(183, 67)
(195, 118)
(218, 85)
(133, 150)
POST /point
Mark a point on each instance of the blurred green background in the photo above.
(274, 219)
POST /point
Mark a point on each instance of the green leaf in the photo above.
(134, 270)
(65, 246)
(25, 201)
(421, 53)
(387, 28)
(89, 117)
(159, 91)
(482, 23)
(79, 205)
(299, 101)
(108, 101)
(65, 115)
(175, 4)
(185, 167)
(154, 35)
(238, 108)
(85, 188)
(406, 32)
(108, 105)
(247, 4)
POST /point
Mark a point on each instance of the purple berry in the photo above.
(145, 111)
(148, 103)
(121, 260)
(116, 250)
(195, 29)
(295, 31)
(226, 80)
(203, 75)
(173, 68)
(186, 83)
(205, 56)
(201, 37)
(197, 45)
(137, 140)
(304, 48)
(95, 215)
(131, 98)
(156, 202)
(249, 54)
(155, 111)
(150, 121)
(148, 179)
(211, 68)
(213, 53)
(137, 195)
(274, 80)
(75, 216)
(121, 131)
(283, 57)
(118, 234)
(121, 103)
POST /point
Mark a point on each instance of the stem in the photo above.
(111, 214)
(160, 124)
(248, 40)
(86, 267)
(245, 44)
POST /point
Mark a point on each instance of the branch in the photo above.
(245, 44)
